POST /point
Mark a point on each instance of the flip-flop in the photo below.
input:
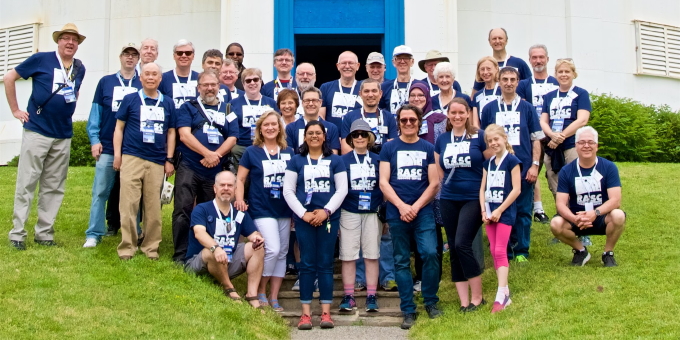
(263, 300)
(228, 291)
(275, 305)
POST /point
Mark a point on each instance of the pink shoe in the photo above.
(497, 306)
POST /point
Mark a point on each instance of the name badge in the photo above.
(382, 129)
(69, 94)
(252, 131)
(285, 156)
(275, 191)
(589, 206)
(308, 199)
(148, 135)
(213, 135)
(365, 201)
(423, 128)
(231, 117)
(558, 125)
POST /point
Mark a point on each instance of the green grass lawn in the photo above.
(71, 292)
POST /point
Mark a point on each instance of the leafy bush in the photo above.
(81, 152)
(14, 161)
(667, 136)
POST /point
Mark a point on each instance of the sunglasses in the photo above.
(405, 121)
(251, 80)
(362, 134)
(186, 53)
(237, 54)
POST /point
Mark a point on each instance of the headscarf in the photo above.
(435, 120)
(428, 100)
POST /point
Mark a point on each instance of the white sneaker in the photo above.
(90, 242)
(296, 286)
(417, 286)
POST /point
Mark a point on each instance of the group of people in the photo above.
(377, 167)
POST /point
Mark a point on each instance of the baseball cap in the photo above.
(402, 49)
(375, 57)
(130, 45)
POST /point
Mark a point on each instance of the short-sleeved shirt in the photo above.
(319, 176)
(395, 94)
(206, 215)
(434, 89)
(266, 174)
(387, 121)
(136, 123)
(408, 171)
(521, 126)
(210, 132)
(466, 155)
(500, 185)
(248, 112)
(179, 91)
(272, 88)
(236, 93)
(564, 108)
(109, 94)
(592, 187)
(337, 104)
(224, 93)
(520, 65)
(295, 134)
(533, 90)
(437, 105)
(363, 178)
(484, 97)
(54, 120)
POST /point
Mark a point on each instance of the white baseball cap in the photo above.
(402, 49)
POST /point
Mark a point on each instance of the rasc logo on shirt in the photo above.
(496, 181)
(458, 155)
(588, 190)
(410, 165)
(273, 171)
(317, 177)
(358, 172)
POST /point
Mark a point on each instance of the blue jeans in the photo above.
(520, 237)
(316, 259)
(386, 262)
(104, 176)
(422, 229)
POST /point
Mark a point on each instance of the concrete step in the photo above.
(290, 300)
(289, 281)
(386, 317)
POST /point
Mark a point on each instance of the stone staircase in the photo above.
(388, 315)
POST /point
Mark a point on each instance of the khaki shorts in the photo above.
(359, 231)
(236, 267)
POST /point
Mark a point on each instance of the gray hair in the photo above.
(149, 41)
(586, 128)
(183, 42)
(160, 69)
(228, 62)
(311, 89)
(443, 67)
(538, 46)
(224, 172)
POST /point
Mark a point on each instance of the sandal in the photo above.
(263, 300)
(254, 298)
(275, 305)
(228, 291)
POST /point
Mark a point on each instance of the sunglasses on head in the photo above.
(362, 134)
(251, 80)
(186, 53)
(238, 54)
(408, 120)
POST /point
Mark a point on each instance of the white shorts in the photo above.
(359, 230)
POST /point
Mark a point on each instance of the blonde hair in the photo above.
(569, 62)
(251, 72)
(499, 130)
(493, 61)
(280, 138)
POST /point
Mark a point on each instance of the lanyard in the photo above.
(379, 114)
(120, 80)
(513, 105)
(219, 213)
(158, 101)
(441, 104)
(454, 143)
(219, 104)
(488, 183)
(278, 83)
(278, 152)
(505, 62)
(67, 77)
(366, 166)
(344, 100)
(408, 87)
(560, 101)
(429, 83)
(545, 81)
(493, 94)
(309, 161)
(580, 175)
(174, 73)
(259, 103)
(396, 84)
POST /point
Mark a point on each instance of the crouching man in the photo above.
(213, 241)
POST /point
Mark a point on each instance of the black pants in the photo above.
(190, 189)
(462, 222)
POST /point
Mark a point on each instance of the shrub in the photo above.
(667, 124)
(81, 152)
(14, 161)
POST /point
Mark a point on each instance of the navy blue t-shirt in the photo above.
(338, 105)
(248, 112)
(224, 93)
(514, 62)
(206, 215)
(133, 136)
(435, 89)
(501, 185)
(320, 177)
(408, 171)
(355, 179)
(467, 155)
(566, 108)
(295, 134)
(189, 116)
(436, 105)
(235, 94)
(483, 97)
(272, 88)
(184, 91)
(54, 120)
(592, 187)
(387, 120)
(534, 92)
(519, 126)
(262, 173)
(401, 97)
(109, 94)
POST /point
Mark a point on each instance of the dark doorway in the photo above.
(322, 50)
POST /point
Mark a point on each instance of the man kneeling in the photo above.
(213, 241)
(588, 200)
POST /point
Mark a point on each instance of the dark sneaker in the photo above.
(472, 307)
(18, 245)
(580, 257)
(372, 303)
(111, 231)
(305, 322)
(358, 286)
(541, 217)
(326, 321)
(348, 303)
(290, 270)
(409, 321)
(433, 312)
(47, 243)
(608, 259)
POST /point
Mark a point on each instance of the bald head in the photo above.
(348, 64)
(498, 39)
(225, 176)
(348, 55)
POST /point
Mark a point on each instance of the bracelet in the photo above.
(328, 213)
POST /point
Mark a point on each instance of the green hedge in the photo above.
(81, 152)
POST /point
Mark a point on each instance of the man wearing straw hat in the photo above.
(432, 58)
(48, 128)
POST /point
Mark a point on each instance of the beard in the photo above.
(304, 85)
(539, 68)
(224, 198)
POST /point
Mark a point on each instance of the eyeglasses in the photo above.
(186, 53)
(209, 85)
(347, 63)
(305, 74)
(69, 39)
(416, 95)
(403, 58)
(314, 133)
(588, 142)
(128, 55)
(237, 54)
(283, 60)
(362, 134)
(229, 72)
(405, 121)
(251, 80)
(310, 101)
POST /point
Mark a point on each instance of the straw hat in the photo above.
(430, 56)
(68, 28)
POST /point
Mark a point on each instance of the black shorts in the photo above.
(599, 227)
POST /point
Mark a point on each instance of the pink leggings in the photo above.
(498, 234)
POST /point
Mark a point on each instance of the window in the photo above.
(16, 44)
(658, 49)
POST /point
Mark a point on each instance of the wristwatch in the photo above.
(537, 163)
(597, 212)
(170, 159)
(212, 249)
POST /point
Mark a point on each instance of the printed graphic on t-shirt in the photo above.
(251, 114)
(410, 165)
(182, 90)
(118, 93)
(496, 181)
(560, 108)
(360, 171)
(58, 80)
(273, 171)
(317, 177)
(588, 190)
(152, 116)
(342, 102)
(510, 121)
(458, 155)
